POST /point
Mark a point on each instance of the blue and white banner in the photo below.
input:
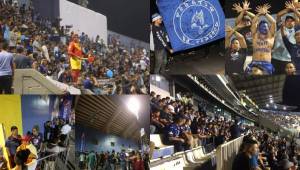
(192, 23)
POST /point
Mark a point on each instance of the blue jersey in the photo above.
(122, 156)
(174, 130)
(185, 128)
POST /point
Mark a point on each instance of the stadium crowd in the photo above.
(181, 126)
(264, 150)
(114, 160)
(186, 128)
(270, 45)
(286, 119)
(27, 40)
(26, 151)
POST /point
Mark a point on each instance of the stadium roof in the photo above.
(110, 115)
(261, 89)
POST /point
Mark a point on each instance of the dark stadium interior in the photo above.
(131, 21)
(283, 90)
(276, 6)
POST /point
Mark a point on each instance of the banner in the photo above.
(192, 23)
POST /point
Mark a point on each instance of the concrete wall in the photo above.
(83, 20)
(36, 110)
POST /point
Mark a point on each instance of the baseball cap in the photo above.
(26, 138)
(289, 17)
(285, 164)
(246, 18)
(155, 17)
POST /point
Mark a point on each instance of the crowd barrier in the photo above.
(226, 153)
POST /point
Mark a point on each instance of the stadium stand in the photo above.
(226, 118)
(41, 44)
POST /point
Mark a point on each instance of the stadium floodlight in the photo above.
(158, 78)
(134, 106)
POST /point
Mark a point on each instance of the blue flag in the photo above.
(192, 23)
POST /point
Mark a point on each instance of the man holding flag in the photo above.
(161, 44)
(75, 54)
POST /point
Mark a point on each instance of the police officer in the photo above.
(161, 46)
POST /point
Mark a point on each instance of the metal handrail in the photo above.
(48, 156)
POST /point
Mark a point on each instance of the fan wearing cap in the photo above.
(285, 164)
(248, 150)
(244, 22)
(293, 49)
(161, 44)
(280, 55)
(75, 54)
(26, 144)
(263, 33)
(236, 51)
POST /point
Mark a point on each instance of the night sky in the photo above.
(276, 6)
(130, 18)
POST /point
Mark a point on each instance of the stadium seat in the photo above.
(163, 150)
(198, 152)
(191, 158)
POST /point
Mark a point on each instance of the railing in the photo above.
(226, 153)
(60, 160)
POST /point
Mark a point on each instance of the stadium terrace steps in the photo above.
(163, 150)
(30, 81)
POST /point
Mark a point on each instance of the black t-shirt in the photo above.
(160, 38)
(234, 61)
(241, 162)
(235, 131)
(246, 32)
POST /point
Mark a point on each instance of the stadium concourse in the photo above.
(51, 55)
(112, 132)
(220, 122)
(36, 132)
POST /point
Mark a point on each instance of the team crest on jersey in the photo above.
(196, 22)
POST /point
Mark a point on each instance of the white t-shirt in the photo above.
(66, 129)
(45, 52)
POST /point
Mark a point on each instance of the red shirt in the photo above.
(74, 49)
(138, 165)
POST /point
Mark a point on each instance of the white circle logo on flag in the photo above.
(196, 22)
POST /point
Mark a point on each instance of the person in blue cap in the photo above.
(161, 44)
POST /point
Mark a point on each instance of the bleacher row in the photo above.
(164, 158)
